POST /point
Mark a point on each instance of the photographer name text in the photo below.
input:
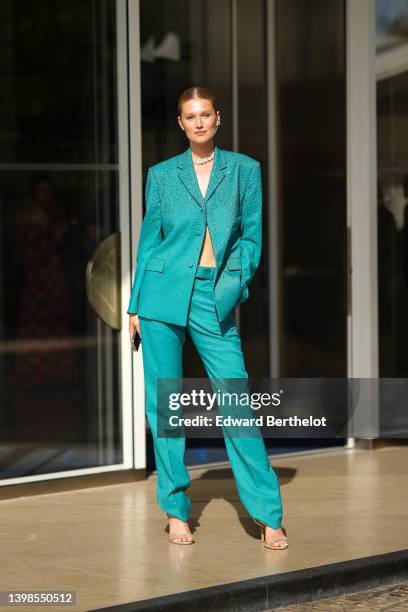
(269, 420)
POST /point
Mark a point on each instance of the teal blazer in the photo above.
(173, 231)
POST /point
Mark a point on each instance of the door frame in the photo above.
(135, 207)
(362, 320)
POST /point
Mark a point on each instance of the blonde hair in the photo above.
(193, 93)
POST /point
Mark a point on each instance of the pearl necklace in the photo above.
(204, 160)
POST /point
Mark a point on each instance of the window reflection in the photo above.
(54, 350)
(44, 310)
(392, 170)
(58, 101)
(312, 202)
(391, 24)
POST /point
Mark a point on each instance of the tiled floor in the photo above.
(110, 545)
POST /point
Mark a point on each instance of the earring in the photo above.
(217, 125)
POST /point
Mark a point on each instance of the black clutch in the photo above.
(136, 340)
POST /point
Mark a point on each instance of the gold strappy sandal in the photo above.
(273, 538)
(175, 537)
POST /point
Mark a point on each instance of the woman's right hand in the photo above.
(134, 324)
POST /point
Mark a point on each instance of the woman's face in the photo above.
(198, 119)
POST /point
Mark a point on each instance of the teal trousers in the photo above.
(219, 347)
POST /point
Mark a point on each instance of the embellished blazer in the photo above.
(173, 231)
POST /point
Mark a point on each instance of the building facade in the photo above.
(313, 89)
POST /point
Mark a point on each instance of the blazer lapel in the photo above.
(189, 178)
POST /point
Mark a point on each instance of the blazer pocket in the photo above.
(234, 263)
(156, 265)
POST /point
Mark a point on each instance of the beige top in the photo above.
(207, 257)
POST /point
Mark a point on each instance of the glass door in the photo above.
(311, 215)
(307, 195)
(61, 195)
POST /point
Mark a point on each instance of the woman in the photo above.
(199, 248)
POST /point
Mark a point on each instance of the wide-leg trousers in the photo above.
(219, 347)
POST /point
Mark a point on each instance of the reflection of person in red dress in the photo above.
(44, 306)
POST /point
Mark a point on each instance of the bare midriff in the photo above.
(207, 257)
(207, 252)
